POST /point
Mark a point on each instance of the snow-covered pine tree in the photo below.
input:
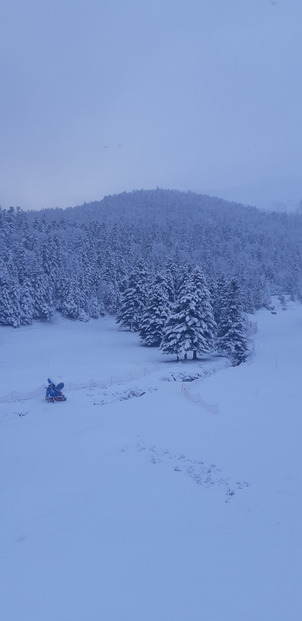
(156, 312)
(73, 300)
(194, 328)
(184, 331)
(133, 299)
(129, 313)
(181, 278)
(43, 307)
(21, 263)
(206, 313)
(109, 295)
(218, 302)
(172, 342)
(26, 303)
(165, 276)
(232, 340)
(9, 303)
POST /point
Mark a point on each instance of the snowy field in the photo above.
(144, 497)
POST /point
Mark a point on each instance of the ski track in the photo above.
(107, 396)
(131, 393)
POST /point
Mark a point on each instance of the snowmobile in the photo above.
(54, 392)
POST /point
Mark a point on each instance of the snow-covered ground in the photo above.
(143, 497)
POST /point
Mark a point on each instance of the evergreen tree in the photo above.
(193, 327)
(133, 300)
(9, 303)
(185, 330)
(26, 303)
(73, 300)
(43, 307)
(218, 303)
(205, 309)
(130, 310)
(156, 312)
(172, 342)
(232, 332)
(110, 296)
(95, 308)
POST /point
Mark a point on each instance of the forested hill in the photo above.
(79, 260)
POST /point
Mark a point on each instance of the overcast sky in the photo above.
(103, 96)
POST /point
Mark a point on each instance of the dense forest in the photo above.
(80, 261)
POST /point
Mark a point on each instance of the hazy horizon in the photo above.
(104, 97)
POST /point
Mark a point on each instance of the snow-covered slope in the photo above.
(145, 498)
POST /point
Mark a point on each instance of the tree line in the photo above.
(186, 315)
(79, 261)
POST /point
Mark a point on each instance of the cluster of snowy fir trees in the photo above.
(182, 315)
(79, 261)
